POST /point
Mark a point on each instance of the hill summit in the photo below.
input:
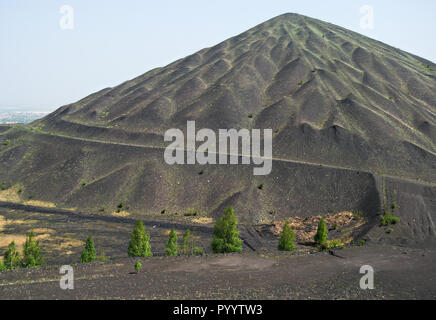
(332, 96)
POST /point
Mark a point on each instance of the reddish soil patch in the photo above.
(305, 228)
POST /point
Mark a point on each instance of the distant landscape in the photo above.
(14, 117)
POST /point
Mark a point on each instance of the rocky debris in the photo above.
(305, 228)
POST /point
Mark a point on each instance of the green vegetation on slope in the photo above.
(89, 253)
(32, 252)
(287, 238)
(226, 234)
(139, 245)
(172, 248)
(321, 234)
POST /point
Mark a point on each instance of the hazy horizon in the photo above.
(44, 66)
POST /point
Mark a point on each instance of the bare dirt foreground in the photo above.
(400, 273)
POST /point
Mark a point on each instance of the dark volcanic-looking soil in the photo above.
(399, 273)
(354, 124)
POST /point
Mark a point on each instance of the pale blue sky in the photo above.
(43, 67)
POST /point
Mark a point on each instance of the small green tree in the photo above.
(287, 238)
(138, 266)
(139, 245)
(198, 251)
(102, 257)
(226, 235)
(89, 253)
(32, 252)
(12, 258)
(2, 265)
(321, 234)
(184, 247)
(172, 244)
(388, 217)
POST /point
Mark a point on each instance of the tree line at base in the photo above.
(32, 255)
(225, 240)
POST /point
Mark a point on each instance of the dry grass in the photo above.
(50, 241)
(19, 221)
(66, 243)
(203, 220)
(39, 203)
(43, 230)
(10, 195)
(5, 222)
(167, 232)
(19, 240)
(120, 214)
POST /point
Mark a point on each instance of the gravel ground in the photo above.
(400, 273)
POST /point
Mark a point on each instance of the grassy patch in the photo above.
(428, 67)
(335, 244)
(388, 217)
